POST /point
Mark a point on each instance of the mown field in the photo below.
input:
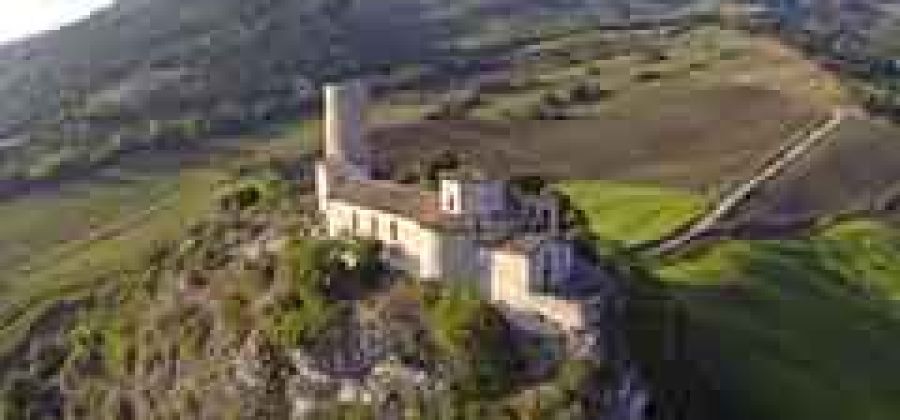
(857, 170)
(677, 143)
(651, 211)
(803, 328)
(698, 109)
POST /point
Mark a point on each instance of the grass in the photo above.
(34, 224)
(61, 245)
(631, 212)
(72, 268)
(701, 58)
(805, 328)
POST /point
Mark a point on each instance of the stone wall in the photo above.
(407, 245)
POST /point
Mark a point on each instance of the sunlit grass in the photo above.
(630, 212)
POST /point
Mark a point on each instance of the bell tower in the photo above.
(346, 155)
(345, 123)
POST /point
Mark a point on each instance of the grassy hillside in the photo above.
(803, 328)
(631, 213)
(239, 325)
(167, 73)
(70, 240)
(129, 227)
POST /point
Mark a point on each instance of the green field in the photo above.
(806, 329)
(635, 69)
(125, 223)
(40, 222)
(630, 212)
(61, 244)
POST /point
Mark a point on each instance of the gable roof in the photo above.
(409, 201)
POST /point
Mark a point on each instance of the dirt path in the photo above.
(730, 201)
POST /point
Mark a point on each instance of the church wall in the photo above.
(513, 278)
(555, 258)
(407, 245)
(475, 198)
(462, 258)
(510, 277)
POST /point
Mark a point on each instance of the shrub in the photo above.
(648, 76)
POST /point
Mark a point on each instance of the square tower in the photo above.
(345, 125)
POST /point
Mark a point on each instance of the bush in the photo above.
(648, 76)
(589, 92)
(474, 338)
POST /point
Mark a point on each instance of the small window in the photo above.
(354, 223)
(548, 271)
(374, 226)
(451, 202)
(395, 234)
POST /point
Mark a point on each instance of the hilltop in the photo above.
(140, 277)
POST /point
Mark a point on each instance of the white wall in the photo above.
(414, 249)
(512, 285)
(476, 198)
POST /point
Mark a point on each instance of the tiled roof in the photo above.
(421, 205)
(408, 201)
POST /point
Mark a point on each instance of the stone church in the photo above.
(472, 228)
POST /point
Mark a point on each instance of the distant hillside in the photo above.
(153, 73)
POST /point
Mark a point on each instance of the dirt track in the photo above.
(799, 147)
(855, 172)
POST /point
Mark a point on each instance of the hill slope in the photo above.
(156, 73)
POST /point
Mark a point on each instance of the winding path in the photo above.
(787, 156)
